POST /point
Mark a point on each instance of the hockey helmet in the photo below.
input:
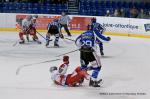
(55, 20)
(93, 20)
(29, 17)
(52, 69)
(66, 59)
(36, 16)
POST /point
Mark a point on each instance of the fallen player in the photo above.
(59, 76)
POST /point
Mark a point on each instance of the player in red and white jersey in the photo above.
(32, 30)
(28, 27)
(74, 79)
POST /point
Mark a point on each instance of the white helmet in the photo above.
(52, 69)
(33, 18)
(29, 17)
(36, 16)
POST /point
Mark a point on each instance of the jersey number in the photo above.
(87, 42)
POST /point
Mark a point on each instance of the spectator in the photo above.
(122, 13)
(142, 14)
(148, 16)
(134, 13)
(119, 13)
(64, 20)
(115, 13)
(108, 13)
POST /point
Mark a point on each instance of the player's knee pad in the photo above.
(96, 71)
(57, 35)
(21, 35)
(98, 68)
(47, 37)
(83, 65)
(94, 64)
(82, 62)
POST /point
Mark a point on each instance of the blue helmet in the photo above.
(55, 20)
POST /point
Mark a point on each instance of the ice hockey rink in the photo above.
(125, 70)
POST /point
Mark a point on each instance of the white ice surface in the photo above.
(125, 69)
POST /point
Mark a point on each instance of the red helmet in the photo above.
(66, 59)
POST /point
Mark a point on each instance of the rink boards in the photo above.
(130, 27)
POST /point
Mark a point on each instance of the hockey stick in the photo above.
(67, 53)
(18, 40)
(42, 35)
(15, 43)
(69, 39)
(21, 67)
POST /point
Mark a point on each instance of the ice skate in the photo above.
(102, 53)
(56, 45)
(21, 42)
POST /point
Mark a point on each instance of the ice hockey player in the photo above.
(28, 28)
(33, 30)
(60, 77)
(87, 42)
(53, 29)
(90, 26)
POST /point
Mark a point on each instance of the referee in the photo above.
(64, 20)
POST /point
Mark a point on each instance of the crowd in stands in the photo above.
(107, 8)
(114, 8)
(37, 1)
(134, 13)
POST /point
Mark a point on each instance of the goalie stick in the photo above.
(27, 65)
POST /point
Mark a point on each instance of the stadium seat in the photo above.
(5, 9)
(86, 7)
(108, 4)
(147, 5)
(1, 7)
(29, 5)
(29, 10)
(119, 4)
(141, 5)
(114, 4)
(130, 5)
(36, 5)
(35, 10)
